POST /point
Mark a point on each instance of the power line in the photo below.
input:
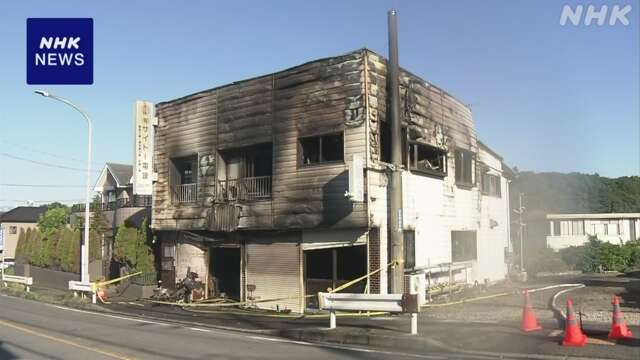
(43, 185)
(40, 201)
(65, 158)
(42, 163)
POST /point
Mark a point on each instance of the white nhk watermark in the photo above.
(618, 14)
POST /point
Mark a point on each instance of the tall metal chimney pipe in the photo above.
(396, 236)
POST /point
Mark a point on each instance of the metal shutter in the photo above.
(275, 270)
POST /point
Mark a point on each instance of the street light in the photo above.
(84, 249)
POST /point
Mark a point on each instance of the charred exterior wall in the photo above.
(320, 97)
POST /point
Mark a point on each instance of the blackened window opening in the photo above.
(464, 167)
(427, 159)
(322, 149)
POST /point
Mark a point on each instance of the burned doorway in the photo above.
(224, 268)
(332, 267)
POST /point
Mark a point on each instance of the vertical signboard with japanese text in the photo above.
(143, 148)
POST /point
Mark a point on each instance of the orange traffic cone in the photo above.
(573, 335)
(529, 321)
(101, 295)
(619, 328)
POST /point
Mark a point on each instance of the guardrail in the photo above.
(26, 280)
(393, 303)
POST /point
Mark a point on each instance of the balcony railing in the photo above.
(136, 201)
(250, 188)
(185, 193)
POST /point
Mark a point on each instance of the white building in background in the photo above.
(574, 229)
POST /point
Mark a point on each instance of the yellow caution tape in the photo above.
(290, 316)
(467, 300)
(97, 284)
(354, 281)
(208, 304)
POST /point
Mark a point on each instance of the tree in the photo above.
(20, 246)
(132, 246)
(54, 220)
(36, 253)
(28, 246)
(144, 254)
(62, 249)
(73, 255)
(51, 247)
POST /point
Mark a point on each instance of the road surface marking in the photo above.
(113, 316)
(199, 329)
(63, 341)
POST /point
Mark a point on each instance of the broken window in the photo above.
(322, 149)
(464, 167)
(427, 159)
(384, 143)
(463, 246)
(491, 185)
(245, 173)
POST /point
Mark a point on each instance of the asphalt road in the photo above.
(32, 330)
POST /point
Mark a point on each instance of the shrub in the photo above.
(545, 260)
(20, 246)
(132, 246)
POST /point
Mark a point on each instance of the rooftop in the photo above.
(594, 216)
(23, 214)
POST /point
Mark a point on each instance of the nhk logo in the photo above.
(59, 51)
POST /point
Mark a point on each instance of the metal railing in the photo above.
(136, 201)
(185, 193)
(249, 188)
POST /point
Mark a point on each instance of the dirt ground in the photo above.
(593, 301)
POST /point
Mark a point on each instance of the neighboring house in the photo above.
(252, 176)
(118, 203)
(18, 219)
(574, 229)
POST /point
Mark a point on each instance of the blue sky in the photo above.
(546, 97)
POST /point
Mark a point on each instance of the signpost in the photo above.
(143, 148)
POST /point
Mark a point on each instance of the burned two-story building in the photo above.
(253, 179)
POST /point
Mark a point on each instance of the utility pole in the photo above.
(396, 238)
(521, 224)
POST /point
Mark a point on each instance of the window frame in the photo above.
(300, 161)
(465, 257)
(485, 179)
(472, 156)
(413, 167)
(13, 230)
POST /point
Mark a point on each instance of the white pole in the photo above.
(414, 323)
(84, 248)
(332, 319)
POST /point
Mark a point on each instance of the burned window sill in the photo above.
(321, 164)
(433, 174)
(492, 195)
(464, 185)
